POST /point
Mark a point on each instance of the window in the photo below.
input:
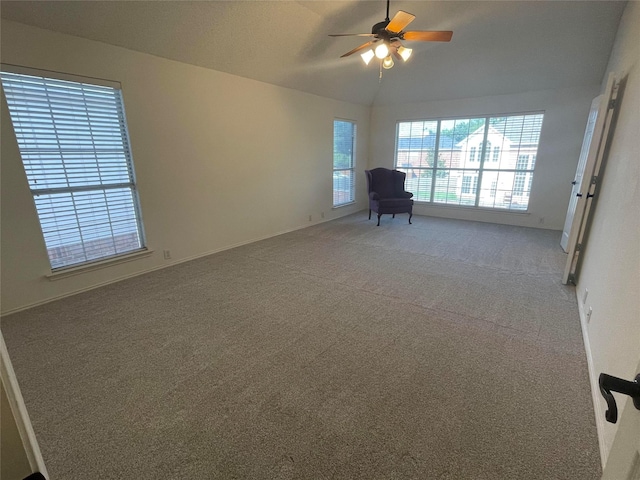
(500, 181)
(344, 140)
(523, 162)
(521, 178)
(518, 183)
(486, 152)
(469, 184)
(75, 150)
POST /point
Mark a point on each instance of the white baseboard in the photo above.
(598, 407)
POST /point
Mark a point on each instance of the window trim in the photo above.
(69, 77)
(484, 158)
(100, 262)
(60, 273)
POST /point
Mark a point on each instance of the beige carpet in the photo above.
(439, 350)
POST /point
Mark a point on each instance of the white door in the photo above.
(580, 204)
(582, 163)
(623, 462)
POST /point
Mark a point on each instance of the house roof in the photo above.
(522, 129)
(427, 142)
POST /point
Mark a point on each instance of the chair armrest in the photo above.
(405, 195)
(374, 196)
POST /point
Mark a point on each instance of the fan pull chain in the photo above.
(380, 78)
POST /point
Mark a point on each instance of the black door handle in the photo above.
(574, 182)
(610, 384)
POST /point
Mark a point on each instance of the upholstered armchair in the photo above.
(387, 194)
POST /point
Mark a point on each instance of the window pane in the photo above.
(82, 226)
(418, 182)
(467, 137)
(342, 144)
(75, 150)
(343, 162)
(488, 189)
(343, 181)
(415, 153)
(521, 134)
(452, 188)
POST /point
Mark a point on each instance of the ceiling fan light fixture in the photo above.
(385, 39)
(382, 51)
(367, 56)
(405, 53)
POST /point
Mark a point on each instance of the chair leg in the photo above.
(369, 214)
(410, 215)
(394, 216)
(379, 215)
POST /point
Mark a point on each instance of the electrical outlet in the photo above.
(309, 217)
(167, 254)
(321, 214)
(589, 312)
(584, 297)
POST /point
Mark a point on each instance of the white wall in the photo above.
(611, 263)
(565, 119)
(220, 160)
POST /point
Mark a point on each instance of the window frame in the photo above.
(490, 158)
(351, 198)
(119, 204)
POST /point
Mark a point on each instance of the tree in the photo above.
(462, 129)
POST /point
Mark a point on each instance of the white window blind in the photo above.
(344, 142)
(75, 150)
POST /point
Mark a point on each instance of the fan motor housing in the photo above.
(379, 27)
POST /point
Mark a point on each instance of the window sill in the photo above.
(472, 208)
(343, 205)
(89, 267)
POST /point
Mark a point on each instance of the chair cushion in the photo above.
(395, 202)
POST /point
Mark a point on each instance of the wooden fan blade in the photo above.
(401, 20)
(443, 36)
(352, 35)
(357, 49)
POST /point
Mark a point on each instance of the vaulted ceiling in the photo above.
(497, 47)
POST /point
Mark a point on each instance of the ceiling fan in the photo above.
(387, 36)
